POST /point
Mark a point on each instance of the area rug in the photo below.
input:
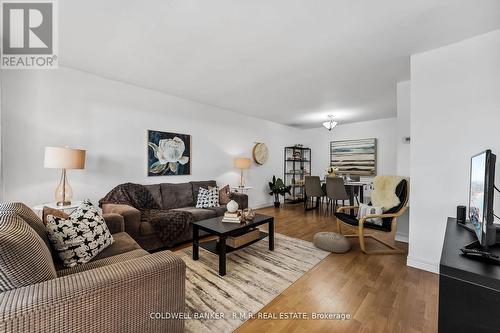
(255, 276)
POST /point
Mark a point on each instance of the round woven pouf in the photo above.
(331, 241)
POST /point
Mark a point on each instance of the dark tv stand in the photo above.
(469, 290)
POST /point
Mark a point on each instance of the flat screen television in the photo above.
(482, 190)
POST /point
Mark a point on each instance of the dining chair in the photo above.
(355, 189)
(335, 190)
(313, 189)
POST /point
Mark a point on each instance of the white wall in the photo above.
(403, 149)
(403, 128)
(455, 113)
(384, 130)
(109, 119)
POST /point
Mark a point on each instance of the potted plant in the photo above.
(278, 188)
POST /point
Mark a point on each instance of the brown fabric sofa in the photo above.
(177, 197)
(118, 291)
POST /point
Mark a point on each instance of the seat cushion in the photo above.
(332, 242)
(352, 220)
(197, 185)
(199, 213)
(219, 211)
(103, 262)
(176, 195)
(24, 259)
(123, 243)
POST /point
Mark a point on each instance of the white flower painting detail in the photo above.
(168, 154)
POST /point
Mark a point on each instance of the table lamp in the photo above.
(64, 158)
(242, 163)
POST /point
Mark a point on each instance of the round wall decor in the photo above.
(260, 153)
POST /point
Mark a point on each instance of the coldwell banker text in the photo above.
(29, 35)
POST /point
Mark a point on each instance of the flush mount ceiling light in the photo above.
(330, 124)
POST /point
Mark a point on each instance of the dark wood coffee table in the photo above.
(216, 227)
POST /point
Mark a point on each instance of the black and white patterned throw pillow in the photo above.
(202, 198)
(81, 237)
(213, 197)
(208, 198)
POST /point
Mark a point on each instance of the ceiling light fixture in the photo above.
(330, 124)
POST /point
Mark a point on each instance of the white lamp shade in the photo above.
(242, 163)
(64, 158)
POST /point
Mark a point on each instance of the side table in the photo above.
(38, 209)
(241, 189)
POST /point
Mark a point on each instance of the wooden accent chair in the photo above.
(385, 233)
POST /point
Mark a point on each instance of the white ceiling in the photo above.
(289, 61)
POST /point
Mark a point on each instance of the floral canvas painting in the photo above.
(169, 154)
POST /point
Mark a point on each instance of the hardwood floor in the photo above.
(380, 292)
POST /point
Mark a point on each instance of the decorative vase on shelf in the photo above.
(232, 206)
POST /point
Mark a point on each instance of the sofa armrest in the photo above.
(240, 198)
(115, 222)
(122, 297)
(131, 217)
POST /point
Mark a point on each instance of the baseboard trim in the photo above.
(262, 205)
(422, 264)
(402, 238)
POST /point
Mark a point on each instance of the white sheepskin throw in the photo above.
(384, 191)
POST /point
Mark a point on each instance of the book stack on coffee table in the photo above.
(231, 217)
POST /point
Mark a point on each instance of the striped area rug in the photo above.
(255, 276)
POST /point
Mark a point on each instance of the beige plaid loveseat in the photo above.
(120, 290)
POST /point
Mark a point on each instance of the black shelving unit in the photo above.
(297, 165)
